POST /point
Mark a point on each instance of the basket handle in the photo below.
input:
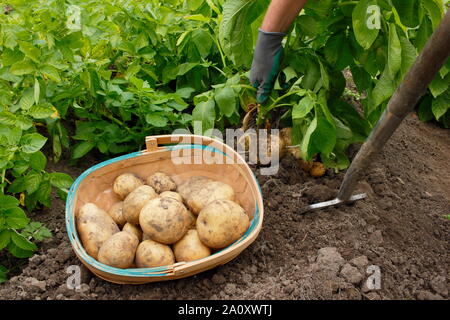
(153, 142)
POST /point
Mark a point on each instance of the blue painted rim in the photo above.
(138, 272)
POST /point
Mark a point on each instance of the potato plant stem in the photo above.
(275, 103)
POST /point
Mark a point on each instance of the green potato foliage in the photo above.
(377, 40)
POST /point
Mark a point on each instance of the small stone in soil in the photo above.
(376, 237)
(351, 274)
(218, 279)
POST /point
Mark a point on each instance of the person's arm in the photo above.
(281, 14)
(269, 51)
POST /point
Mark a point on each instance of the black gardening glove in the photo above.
(266, 63)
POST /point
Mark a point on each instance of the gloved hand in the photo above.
(266, 63)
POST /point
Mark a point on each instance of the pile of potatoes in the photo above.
(158, 222)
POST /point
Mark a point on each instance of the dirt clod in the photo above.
(351, 274)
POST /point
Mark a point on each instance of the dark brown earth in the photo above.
(399, 228)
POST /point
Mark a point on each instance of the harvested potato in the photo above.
(165, 220)
(221, 223)
(260, 147)
(171, 194)
(317, 170)
(119, 250)
(190, 248)
(161, 182)
(126, 183)
(305, 165)
(191, 185)
(94, 226)
(128, 227)
(150, 254)
(286, 136)
(134, 202)
(210, 191)
(116, 213)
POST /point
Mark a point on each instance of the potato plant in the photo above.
(377, 40)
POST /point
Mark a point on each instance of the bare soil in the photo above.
(400, 229)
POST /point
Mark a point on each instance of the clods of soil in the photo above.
(396, 239)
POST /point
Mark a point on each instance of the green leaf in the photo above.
(10, 57)
(80, 149)
(365, 23)
(32, 182)
(7, 118)
(409, 55)
(235, 33)
(16, 218)
(156, 120)
(361, 78)
(60, 180)
(408, 12)
(203, 116)
(22, 68)
(312, 74)
(37, 91)
(41, 111)
(38, 161)
(24, 122)
(324, 137)
(324, 76)
(394, 51)
(29, 50)
(44, 192)
(3, 274)
(348, 114)
(307, 138)
(21, 242)
(303, 107)
(27, 99)
(423, 33)
(424, 110)
(193, 5)
(383, 90)
(51, 72)
(8, 202)
(5, 237)
(319, 137)
(19, 184)
(203, 41)
(434, 10)
(441, 104)
(32, 142)
(439, 85)
(226, 100)
(308, 26)
(18, 252)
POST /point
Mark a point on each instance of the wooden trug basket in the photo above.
(199, 156)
